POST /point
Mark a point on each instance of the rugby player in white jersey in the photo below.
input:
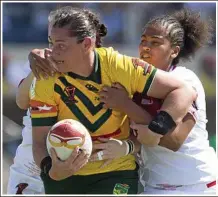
(182, 162)
(24, 175)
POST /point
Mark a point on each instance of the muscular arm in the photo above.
(39, 135)
(136, 113)
(22, 96)
(177, 95)
(174, 140)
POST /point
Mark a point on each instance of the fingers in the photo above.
(47, 52)
(52, 62)
(101, 146)
(118, 86)
(80, 161)
(73, 156)
(105, 88)
(101, 139)
(40, 65)
(103, 94)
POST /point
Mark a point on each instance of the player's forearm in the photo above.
(178, 102)
(136, 113)
(174, 140)
(39, 152)
(22, 96)
(39, 136)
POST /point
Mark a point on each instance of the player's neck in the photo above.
(87, 65)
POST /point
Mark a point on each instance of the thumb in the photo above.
(134, 126)
(54, 156)
(47, 52)
(52, 62)
(101, 139)
(118, 86)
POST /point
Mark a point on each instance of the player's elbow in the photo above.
(190, 91)
(22, 103)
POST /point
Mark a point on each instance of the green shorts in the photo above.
(116, 182)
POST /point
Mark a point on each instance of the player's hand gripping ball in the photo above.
(66, 135)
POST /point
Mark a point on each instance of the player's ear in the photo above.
(175, 52)
(87, 44)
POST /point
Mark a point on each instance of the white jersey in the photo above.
(24, 170)
(195, 162)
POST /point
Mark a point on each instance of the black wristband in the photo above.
(45, 164)
(162, 123)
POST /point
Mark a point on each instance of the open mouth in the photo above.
(145, 56)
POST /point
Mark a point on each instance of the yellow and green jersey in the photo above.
(69, 95)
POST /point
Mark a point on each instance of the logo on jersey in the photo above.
(32, 89)
(37, 107)
(121, 188)
(20, 187)
(147, 101)
(70, 91)
(44, 108)
(91, 88)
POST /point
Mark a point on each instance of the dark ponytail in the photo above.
(197, 32)
(187, 30)
(101, 29)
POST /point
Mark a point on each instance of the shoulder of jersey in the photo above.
(103, 51)
(49, 81)
(184, 73)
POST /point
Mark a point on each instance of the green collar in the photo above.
(95, 75)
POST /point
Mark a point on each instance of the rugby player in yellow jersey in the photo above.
(86, 71)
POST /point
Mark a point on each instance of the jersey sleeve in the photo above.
(134, 74)
(43, 107)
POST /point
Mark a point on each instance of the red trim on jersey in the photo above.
(211, 184)
(95, 138)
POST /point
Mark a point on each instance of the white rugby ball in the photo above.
(65, 135)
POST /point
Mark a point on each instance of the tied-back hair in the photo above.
(185, 29)
(82, 23)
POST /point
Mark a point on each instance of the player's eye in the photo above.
(55, 139)
(155, 43)
(62, 46)
(143, 42)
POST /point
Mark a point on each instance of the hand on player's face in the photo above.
(110, 148)
(63, 169)
(42, 63)
(144, 135)
(114, 97)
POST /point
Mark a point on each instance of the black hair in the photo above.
(82, 23)
(185, 29)
(101, 29)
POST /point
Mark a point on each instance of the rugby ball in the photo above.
(65, 135)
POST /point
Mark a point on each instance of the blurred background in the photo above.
(25, 28)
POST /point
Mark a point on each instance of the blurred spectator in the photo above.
(208, 75)
(208, 79)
